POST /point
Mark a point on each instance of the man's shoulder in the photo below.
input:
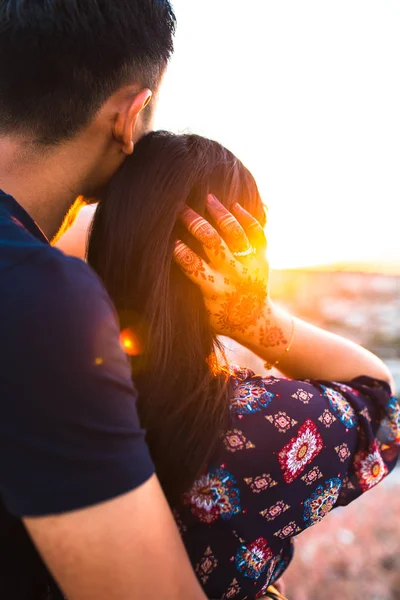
(66, 393)
(52, 302)
(47, 278)
(52, 264)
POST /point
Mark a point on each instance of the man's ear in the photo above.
(126, 120)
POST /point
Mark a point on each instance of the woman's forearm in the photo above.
(314, 353)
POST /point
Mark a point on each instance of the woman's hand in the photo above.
(234, 282)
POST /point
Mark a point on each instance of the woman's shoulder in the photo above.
(251, 392)
(297, 422)
(352, 421)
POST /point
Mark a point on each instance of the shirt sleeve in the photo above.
(314, 445)
(69, 430)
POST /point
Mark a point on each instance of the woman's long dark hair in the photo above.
(183, 395)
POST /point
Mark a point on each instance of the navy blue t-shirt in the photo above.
(69, 430)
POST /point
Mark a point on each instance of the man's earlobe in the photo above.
(127, 149)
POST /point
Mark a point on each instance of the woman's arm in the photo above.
(234, 284)
(315, 353)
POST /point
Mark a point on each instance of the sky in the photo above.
(307, 95)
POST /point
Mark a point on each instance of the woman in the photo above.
(246, 462)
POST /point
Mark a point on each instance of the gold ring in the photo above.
(247, 252)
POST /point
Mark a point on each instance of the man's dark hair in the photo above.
(62, 59)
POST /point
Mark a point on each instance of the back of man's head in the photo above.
(62, 59)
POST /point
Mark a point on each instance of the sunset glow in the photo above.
(307, 95)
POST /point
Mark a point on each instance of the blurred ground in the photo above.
(354, 554)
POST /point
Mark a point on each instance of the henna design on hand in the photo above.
(235, 236)
(239, 304)
(207, 235)
(243, 307)
(190, 262)
(226, 222)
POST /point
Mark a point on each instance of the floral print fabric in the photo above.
(294, 451)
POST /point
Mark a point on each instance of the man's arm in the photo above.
(127, 548)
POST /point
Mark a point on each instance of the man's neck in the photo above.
(41, 184)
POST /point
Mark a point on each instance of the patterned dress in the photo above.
(294, 451)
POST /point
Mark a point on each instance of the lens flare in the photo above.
(129, 342)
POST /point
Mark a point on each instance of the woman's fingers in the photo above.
(255, 233)
(239, 240)
(194, 267)
(214, 246)
(232, 232)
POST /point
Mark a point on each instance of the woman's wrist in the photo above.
(271, 336)
(314, 353)
(278, 361)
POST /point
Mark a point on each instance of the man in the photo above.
(75, 474)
